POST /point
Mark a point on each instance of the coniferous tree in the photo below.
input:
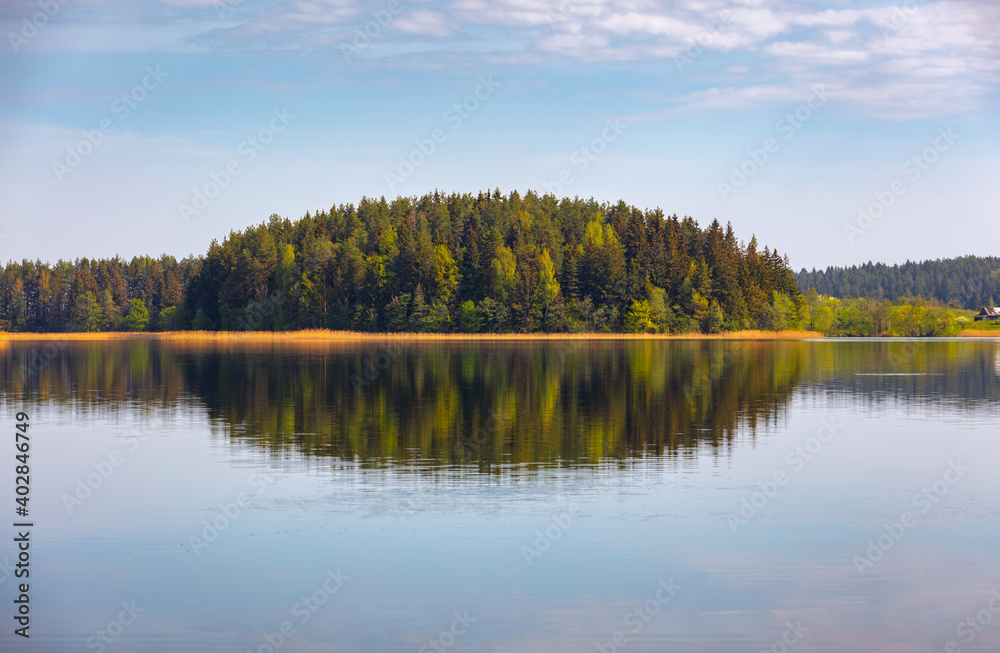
(526, 262)
(420, 312)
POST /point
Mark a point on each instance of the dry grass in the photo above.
(320, 335)
(979, 333)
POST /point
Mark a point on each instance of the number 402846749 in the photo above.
(23, 445)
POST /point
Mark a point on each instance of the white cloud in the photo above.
(424, 22)
(904, 51)
(743, 97)
(816, 53)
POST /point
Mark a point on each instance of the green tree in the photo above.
(469, 317)
(18, 305)
(171, 319)
(713, 318)
(420, 312)
(661, 314)
(822, 319)
(87, 313)
(504, 274)
(700, 305)
(446, 277)
(110, 313)
(438, 320)
(285, 273)
(784, 313)
(201, 321)
(137, 317)
(547, 289)
(395, 312)
(907, 320)
(639, 319)
(494, 314)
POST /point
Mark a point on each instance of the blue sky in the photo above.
(836, 131)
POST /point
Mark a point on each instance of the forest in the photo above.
(437, 263)
(967, 282)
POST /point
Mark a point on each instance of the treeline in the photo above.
(95, 295)
(486, 263)
(966, 282)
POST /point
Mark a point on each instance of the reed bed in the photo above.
(354, 336)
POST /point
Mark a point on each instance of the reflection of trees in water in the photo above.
(521, 403)
(91, 374)
(574, 402)
(952, 372)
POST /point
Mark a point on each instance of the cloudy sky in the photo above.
(836, 131)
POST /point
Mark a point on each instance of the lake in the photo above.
(602, 495)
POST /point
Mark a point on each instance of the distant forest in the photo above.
(967, 282)
(438, 263)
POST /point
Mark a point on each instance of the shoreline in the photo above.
(323, 335)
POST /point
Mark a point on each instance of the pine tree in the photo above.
(396, 313)
(420, 312)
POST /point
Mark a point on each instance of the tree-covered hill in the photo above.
(435, 263)
(966, 282)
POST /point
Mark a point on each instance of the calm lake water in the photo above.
(616, 496)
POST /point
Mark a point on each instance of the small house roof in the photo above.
(992, 312)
